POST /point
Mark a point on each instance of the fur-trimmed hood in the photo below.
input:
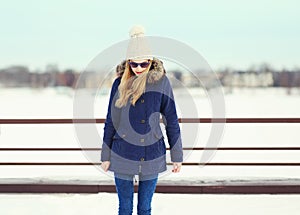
(156, 72)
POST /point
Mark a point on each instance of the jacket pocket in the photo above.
(158, 134)
(118, 136)
(161, 147)
(116, 146)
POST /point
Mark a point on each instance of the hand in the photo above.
(176, 167)
(105, 165)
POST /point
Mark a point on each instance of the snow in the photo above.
(51, 103)
(175, 204)
(56, 103)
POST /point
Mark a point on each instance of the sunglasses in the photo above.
(135, 65)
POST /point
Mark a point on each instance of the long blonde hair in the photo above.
(131, 86)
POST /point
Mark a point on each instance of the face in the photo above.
(139, 66)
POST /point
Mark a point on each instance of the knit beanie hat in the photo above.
(138, 47)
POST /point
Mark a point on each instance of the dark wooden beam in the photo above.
(171, 189)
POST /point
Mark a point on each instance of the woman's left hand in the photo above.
(176, 167)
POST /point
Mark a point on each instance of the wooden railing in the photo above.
(257, 188)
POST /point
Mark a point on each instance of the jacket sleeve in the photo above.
(169, 114)
(109, 128)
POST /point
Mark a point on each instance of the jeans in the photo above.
(125, 190)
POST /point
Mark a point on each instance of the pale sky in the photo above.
(232, 33)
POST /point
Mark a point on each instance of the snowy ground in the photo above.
(163, 204)
(50, 103)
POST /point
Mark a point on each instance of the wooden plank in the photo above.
(184, 164)
(181, 120)
(171, 189)
(184, 148)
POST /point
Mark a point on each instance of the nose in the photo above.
(139, 68)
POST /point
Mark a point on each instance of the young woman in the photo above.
(133, 143)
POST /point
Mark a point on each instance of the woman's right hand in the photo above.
(105, 165)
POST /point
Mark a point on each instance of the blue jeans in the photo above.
(125, 190)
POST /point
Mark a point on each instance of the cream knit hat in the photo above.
(138, 47)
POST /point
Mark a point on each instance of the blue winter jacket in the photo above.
(133, 140)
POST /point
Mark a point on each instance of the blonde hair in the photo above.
(131, 86)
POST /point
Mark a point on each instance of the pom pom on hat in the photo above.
(138, 47)
(137, 31)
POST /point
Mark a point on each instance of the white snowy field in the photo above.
(241, 102)
(163, 204)
(58, 103)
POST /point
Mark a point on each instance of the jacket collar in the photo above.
(156, 72)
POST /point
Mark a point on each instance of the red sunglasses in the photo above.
(135, 65)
